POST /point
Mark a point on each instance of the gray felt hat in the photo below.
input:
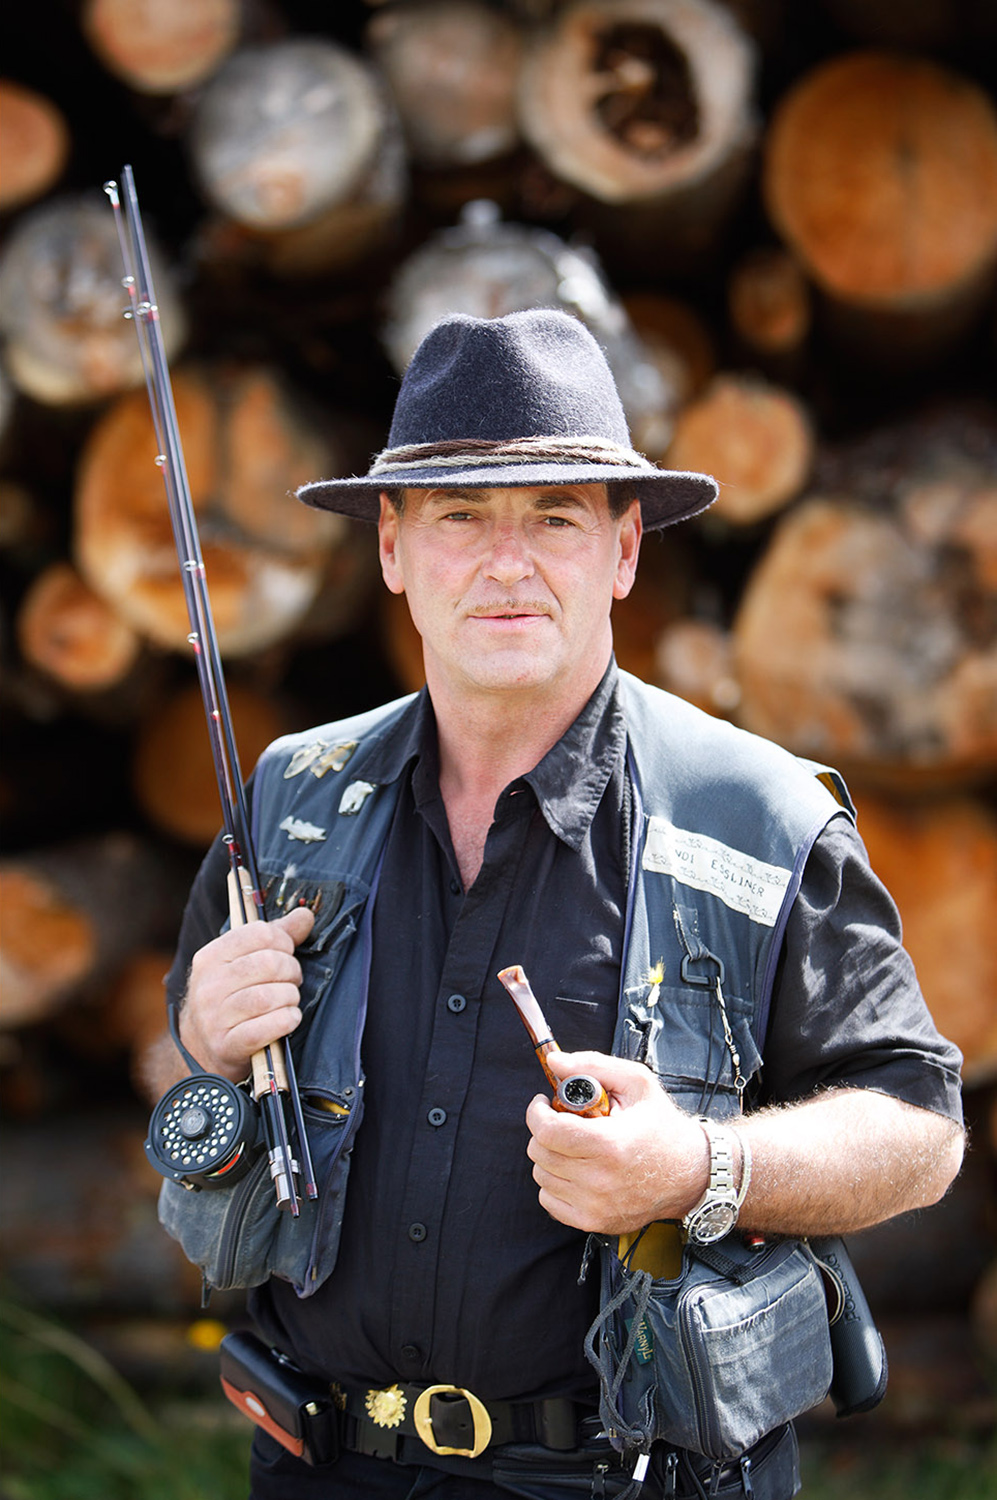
(527, 399)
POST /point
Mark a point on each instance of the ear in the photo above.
(631, 530)
(387, 546)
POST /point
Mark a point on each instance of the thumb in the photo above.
(297, 923)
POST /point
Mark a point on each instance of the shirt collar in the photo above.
(568, 782)
(412, 735)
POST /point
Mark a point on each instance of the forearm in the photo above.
(844, 1160)
(160, 1067)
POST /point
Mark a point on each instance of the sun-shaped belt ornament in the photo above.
(386, 1408)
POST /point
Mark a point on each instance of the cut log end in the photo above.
(72, 634)
(631, 101)
(61, 304)
(769, 302)
(284, 133)
(868, 639)
(453, 68)
(881, 172)
(34, 144)
(173, 773)
(161, 49)
(693, 660)
(47, 946)
(755, 438)
(264, 553)
(938, 859)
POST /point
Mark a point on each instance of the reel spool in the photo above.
(204, 1133)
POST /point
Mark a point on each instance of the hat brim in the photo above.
(666, 496)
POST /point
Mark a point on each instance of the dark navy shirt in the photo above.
(449, 1271)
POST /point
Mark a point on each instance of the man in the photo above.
(665, 881)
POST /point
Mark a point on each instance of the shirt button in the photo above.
(410, 1352)
(456, 1003)
(456, 887)
(417, 1233)
(437, 1117)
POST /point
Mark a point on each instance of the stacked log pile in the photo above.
(781, 223)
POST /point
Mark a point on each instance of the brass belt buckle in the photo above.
(424, 1422)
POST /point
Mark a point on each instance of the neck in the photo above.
(486, 740)
(489, 738)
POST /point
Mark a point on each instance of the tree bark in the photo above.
(880, 172)
(264, 552)
(34, 144)
(161, 49)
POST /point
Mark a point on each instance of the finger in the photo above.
(284, 934)
(563, 1135)
(297, 923)
(262, 967)
(253, 1035)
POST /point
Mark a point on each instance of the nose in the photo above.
(508, 559)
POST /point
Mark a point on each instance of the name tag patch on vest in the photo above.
(744, 884)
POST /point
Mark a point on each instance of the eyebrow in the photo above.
(554, 498)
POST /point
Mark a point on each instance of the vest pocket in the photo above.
(711, 1361)
(227, 1232)
(337, 905)
(691, 1028)
(239, 1237)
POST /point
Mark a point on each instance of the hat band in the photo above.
(469, 452)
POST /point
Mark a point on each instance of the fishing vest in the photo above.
(721, 826)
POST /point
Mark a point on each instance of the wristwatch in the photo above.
(716, 1212)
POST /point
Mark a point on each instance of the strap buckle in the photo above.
(423, 1419)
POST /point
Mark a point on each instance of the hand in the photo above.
(244, 992)
(645, 1160)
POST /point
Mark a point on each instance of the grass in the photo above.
(74, 1429)
(902, 1469)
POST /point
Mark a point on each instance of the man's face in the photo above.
(511, 588)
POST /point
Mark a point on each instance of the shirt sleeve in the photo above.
(847, 1007)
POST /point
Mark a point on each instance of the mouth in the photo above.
(509, 611)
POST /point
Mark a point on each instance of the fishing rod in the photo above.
(199, 1133)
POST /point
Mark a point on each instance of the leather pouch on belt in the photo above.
(295, 1409)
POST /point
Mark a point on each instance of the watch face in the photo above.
(712, 1223)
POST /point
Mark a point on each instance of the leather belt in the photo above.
(447, 1419)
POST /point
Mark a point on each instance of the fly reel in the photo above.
(204, 1133)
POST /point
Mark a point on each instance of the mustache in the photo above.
(509, 607)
